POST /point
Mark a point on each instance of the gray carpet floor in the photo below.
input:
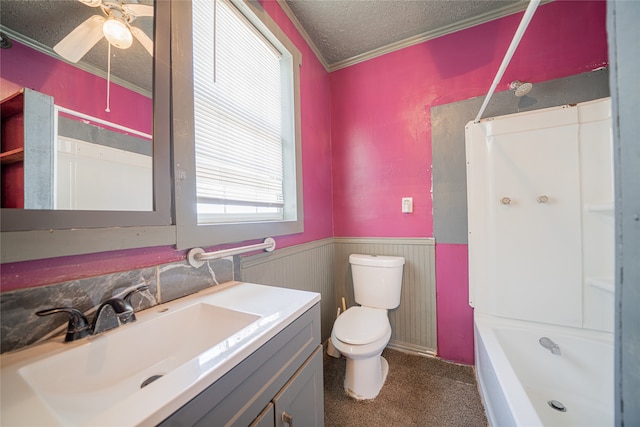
(419, 391)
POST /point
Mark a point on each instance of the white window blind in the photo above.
(238, 117)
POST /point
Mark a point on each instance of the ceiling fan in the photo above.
(114, 24)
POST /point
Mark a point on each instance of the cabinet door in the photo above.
(266, 418)
(301, 400)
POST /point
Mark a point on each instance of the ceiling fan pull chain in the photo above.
(108, 77)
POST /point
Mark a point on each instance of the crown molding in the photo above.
(294, 19)
(432, 34)
(392, 47)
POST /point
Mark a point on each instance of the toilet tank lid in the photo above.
(376, 260)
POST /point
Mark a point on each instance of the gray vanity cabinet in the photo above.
(297, 402)
(267, 418)
(284, 376)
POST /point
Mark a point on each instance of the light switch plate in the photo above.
(407, 204)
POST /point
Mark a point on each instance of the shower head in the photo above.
(520, 88)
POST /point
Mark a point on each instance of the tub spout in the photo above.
(550, 345)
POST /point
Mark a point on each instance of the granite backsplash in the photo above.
(21, 327)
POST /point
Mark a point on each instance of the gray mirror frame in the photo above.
(37, 234)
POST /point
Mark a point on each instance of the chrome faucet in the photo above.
(550, 345)
(111, 314)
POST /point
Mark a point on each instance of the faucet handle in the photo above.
(123, 309)
(111, 314)
(78, 323)
(140, 288)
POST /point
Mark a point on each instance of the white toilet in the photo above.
(362, 332)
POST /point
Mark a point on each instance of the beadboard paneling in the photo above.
(307, 267)
(323, 266)
(414, 321)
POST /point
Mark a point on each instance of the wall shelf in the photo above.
(603, 208)
(604, 283)
(12, 104)
(12, 156)
(26, 153)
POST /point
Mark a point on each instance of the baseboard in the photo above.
(418, 351)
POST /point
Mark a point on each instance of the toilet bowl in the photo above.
(366, 369)
(362, 332)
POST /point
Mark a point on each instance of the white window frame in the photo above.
(189, 232)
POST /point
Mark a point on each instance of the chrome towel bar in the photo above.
(197, 256)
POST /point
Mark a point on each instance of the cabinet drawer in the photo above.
(238, 397)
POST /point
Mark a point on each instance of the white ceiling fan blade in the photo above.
(137, 10)
(78, 42)
(143, 39)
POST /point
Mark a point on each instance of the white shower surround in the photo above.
(541, 262)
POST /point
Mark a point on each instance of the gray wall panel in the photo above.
(624, 56)
(39, 149)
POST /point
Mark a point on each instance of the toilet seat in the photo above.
(361, 325)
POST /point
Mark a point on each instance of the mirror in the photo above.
(136, 89)
(77, 110)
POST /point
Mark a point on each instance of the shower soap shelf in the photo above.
(603, 208)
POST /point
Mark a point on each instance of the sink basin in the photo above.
(96, 374)
(141, 373)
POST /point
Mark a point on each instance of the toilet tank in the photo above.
(377, 280)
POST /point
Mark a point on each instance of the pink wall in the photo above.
(73, 88)
(381, 130)
(366, 137)
(316, 159)
(316, 138)
(455, 317)
(380, 109)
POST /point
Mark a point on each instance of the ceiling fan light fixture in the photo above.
(117, 33)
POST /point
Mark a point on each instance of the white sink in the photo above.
(184, 345)
(88, 378)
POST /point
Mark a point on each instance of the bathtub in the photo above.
(517, 377)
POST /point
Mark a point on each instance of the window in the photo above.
(244, 179)
(241, 108)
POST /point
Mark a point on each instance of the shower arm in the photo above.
(528, 14)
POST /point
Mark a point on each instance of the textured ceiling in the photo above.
(341, 31)
(344, 30)
(49, 21)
